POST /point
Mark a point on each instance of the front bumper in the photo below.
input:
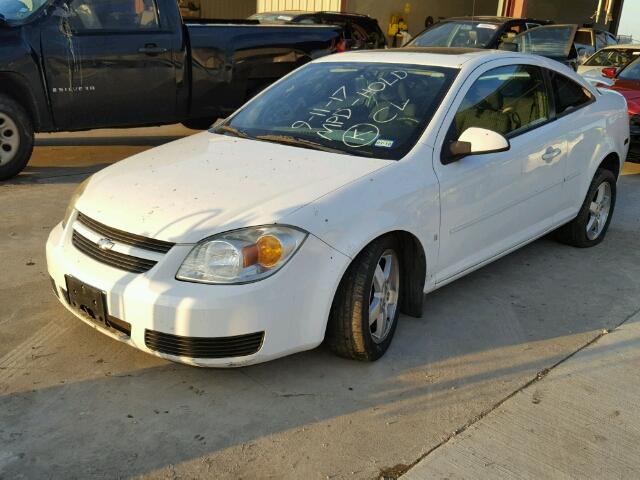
(291, 307)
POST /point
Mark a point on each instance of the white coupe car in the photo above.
(334, 200)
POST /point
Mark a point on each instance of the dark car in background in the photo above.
(474, 32)
(68, 65)
(361, 31)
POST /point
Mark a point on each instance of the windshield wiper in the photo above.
(299, 142)
(231, 131)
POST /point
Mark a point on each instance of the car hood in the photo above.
(190, 189)
(631, 91)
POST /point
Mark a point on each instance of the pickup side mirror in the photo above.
(509, 46)
(475, 141)
(609, 72)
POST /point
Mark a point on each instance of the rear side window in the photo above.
(112, 15)
(568, 94)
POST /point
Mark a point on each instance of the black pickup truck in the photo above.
(68, 65)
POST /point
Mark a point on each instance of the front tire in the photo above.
(16, 138)
(590, 227)
(365, 310)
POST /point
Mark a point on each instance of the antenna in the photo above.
(473, 11)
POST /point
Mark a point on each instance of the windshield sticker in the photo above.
(384, 143)
(487, 25)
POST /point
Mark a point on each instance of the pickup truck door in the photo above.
(109, 63)
(493, 202)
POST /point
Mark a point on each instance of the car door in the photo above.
(582, 131)
(110, 63)
(493, 202)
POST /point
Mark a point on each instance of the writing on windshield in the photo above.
(369, 109)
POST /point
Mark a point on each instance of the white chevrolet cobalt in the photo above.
(334, 200)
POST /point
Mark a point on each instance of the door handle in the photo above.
(152, 49)
(550, 154)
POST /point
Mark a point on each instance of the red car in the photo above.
(627, 82)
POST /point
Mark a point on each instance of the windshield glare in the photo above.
(366, 109)
(632, 72)
(457, 34)
(19, 10)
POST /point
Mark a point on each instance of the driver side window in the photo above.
(508, 100)
(114, 15)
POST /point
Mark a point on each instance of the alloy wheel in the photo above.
(599, 211)
(384, 296)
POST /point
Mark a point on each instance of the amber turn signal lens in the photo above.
(269, 251)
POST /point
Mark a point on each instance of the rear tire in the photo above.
(590, 227)
(16, 138)
(365, 310)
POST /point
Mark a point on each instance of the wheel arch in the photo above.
(612, 163)
(15, 87)
(413, 273)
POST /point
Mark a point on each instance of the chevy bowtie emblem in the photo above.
(105, 244)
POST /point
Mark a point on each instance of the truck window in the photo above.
(116, 15)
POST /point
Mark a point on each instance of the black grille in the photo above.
(114, 259)
(203, 347)
(124, 237)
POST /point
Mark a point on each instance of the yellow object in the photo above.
(407, 8)
(269, 251)
(393, 26)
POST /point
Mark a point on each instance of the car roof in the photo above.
(432, 56)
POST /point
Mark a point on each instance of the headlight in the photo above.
(72, 202)
(241, 256)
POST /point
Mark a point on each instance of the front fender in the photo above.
(403, 196)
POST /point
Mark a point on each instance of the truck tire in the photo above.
(589, 228)
(16, 138)
(365, 310)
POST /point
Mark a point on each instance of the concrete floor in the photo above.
(76, 404)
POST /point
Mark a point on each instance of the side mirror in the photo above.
(509, 46)
(475, 141)
(609, 72)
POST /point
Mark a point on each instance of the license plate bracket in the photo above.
(88, 300)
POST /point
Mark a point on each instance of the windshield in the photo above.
(612, 57)
(457, 34)
(19, 10)
(632, 72)
(366, 109)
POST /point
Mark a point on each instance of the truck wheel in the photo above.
(590, 226)
(365, 310)
(16, 138)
